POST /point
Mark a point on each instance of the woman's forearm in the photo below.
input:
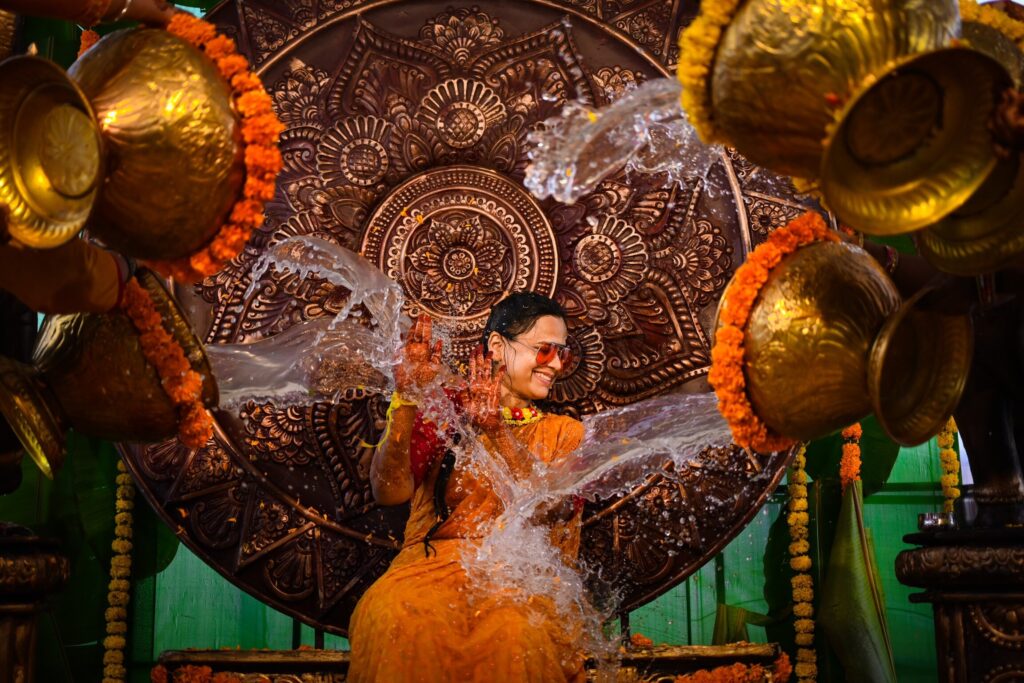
(391, 476)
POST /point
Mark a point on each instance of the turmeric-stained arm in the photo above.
(391, 474)
(391, 469)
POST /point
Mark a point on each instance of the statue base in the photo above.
(974, 579)
(30, 569)
(331, 666)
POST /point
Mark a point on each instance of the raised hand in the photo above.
(483, 405)
(421, 357)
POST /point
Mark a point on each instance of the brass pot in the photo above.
(88, 373)
(985, 233)
(918, 369)
(914, 146)
(173, 142)
(808, 337)
(782, 66)
(51, 157)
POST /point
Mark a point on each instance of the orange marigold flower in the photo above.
(640, 640)
(192, 674)
(232, 65)
(88, 39)
(158, 674)
(854, 431)
(782, 669)
(219, 47)
(191, 29)
(255, 103)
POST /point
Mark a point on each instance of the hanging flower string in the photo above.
(119, 589)
(950, 465)
(779, 672)
(849, 465)
(260, 132)
(182, 384)
(727, 357)
(800, 563)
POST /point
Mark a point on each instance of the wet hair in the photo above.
(510, 317)
(516, 314)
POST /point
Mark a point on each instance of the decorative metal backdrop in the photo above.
(409, 105)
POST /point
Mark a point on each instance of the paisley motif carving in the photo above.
(411, 148)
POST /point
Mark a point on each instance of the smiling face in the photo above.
(526, 381)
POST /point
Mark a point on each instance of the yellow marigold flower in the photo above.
(804, 654)
(804, 626)
(805, 670)
(803, 594)
(802, 581)
(123, 505)
(798, 532)
(798, 519)
(801, 563)
(116, 671)
(114, 642)
(120, 572)
(123, 518)
(117, 598)
(124, 480)
(944, 440)
(798, 477)
(805, 639)
(121, 561)
(116, 614)
(803, 609)
(798, 490)
(113, 656)
(801, 547)
(123, 531)
(121, 546)
(117, 628)
(797, 504)
(119, 585)
(949, 480)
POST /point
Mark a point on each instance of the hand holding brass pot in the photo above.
(89, 373)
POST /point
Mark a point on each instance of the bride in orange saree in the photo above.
(425, 620)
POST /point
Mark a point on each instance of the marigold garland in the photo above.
(190, 673)
(698, 45)
(1002, 22)
(849, 466)
(88, 39)
(260, 129)
(727, 356)
(182, 384)
(950, 465)
(742, 673)
(119, 589)
(641, 641)
(800, 563)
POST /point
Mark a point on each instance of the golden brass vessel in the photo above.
(809, 335)
(985, 233)
(173, 142)
(88, 373)
(918, 369)
(784, 66)
(996, 45)
(51, 159)
(915, 145)
(865, 95)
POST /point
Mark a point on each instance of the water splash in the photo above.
(645, 131)
(323, 359)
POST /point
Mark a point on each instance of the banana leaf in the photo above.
(851, 610)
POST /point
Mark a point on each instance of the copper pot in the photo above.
(88, 373)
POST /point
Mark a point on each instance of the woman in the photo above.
(423, 620)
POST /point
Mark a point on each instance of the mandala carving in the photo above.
(408, 144)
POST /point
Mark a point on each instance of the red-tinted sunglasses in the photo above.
(546, 352)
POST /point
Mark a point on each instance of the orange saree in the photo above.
(423, 621)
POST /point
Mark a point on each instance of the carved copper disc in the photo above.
(402, 106)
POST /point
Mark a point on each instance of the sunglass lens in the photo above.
(546, 353)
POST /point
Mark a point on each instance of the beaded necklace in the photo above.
(520, 416)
